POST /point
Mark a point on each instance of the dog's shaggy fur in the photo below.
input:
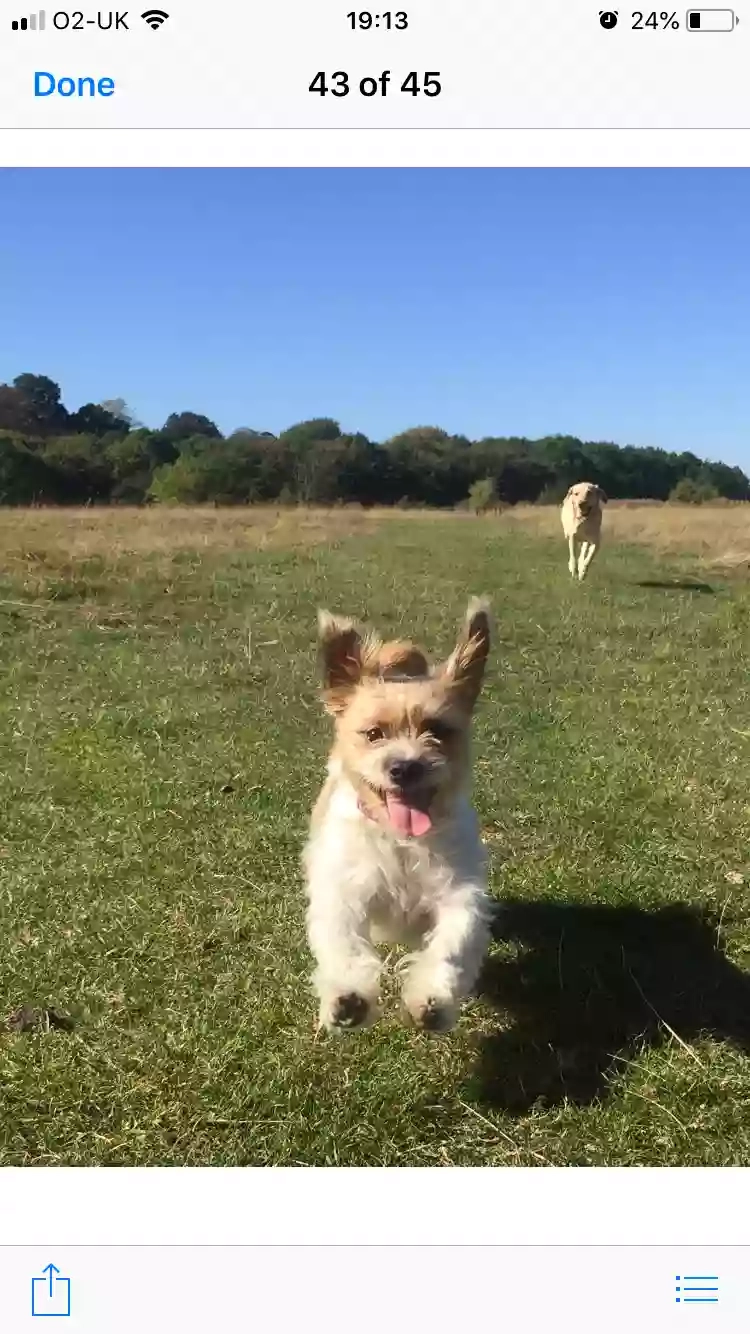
(581, 516)
(394, 852)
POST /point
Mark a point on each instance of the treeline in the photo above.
(100, 454)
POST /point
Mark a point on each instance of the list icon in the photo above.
(696, 1288)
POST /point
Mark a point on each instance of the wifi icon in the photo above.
(154, 18)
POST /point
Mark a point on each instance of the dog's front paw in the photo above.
(434, 1016)
(350, 1011)
(346, 1011)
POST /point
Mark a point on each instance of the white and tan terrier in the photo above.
(394, 852)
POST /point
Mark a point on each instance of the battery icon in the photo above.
(711, 20)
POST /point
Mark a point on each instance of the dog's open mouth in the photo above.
(407, 815)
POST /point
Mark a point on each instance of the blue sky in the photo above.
(608, 304)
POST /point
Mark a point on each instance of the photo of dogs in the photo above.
(394, 853)
(451, 895)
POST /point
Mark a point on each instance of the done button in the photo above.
(48, 85)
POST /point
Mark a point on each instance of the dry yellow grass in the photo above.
(54, 536)
(719, 535)
(47, 552)
(716, 535)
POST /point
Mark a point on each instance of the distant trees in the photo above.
(99, 453)
(691, 491)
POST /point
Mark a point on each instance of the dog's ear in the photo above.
(602, 494)
(465, 667)
(349, 654)
(342, 651)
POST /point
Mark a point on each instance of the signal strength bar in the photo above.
(34, 23)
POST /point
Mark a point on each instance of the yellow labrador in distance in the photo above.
(581, 516)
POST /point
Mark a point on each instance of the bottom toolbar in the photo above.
(114, 1290)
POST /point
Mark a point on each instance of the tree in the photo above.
(517, 474)
(564, 456)
(312, 432)
(83, 466)
(227, 473)
(428, 466)
(25, 479)
(15, 411)
(690, 491)
(182, 425)
(311, 450)
(729, 482)
(482, 495)
(43, 397)
(331, 471)
(132, 459)
(95, 419)
(118, 408)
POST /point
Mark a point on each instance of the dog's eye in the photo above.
(438, 729)
(374, 734)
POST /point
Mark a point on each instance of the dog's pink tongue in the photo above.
(407, 819)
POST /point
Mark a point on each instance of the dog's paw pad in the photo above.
(435, 1017)
(349, 1011)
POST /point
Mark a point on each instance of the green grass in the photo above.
(164, 912)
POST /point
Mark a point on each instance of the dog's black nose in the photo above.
(404, 772)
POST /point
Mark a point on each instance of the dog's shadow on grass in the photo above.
(589, 987)
(677, 585)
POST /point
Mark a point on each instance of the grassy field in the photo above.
(162, 744)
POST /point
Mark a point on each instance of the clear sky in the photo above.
(609, 304)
